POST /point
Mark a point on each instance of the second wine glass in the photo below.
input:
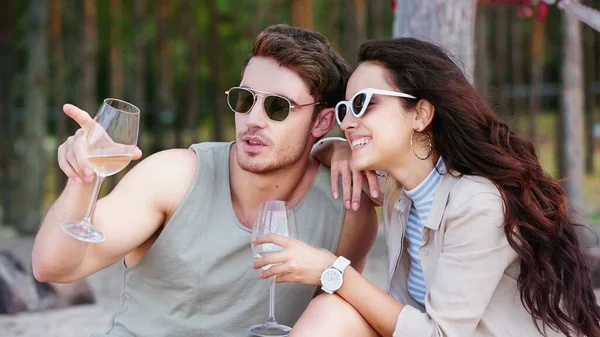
(273, 216)
(110, 142)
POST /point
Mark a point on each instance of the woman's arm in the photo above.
(474, 256)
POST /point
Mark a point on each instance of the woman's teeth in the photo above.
(361, 142)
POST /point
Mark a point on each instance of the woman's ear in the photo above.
(323, 122)
(424, 114)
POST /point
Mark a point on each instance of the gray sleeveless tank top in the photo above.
(197, 279)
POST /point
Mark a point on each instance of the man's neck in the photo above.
(248, 189)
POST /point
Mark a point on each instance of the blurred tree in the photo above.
(89, 50)
(591, 59)
(376, 8)
(140, 46)
(216, 70)
(517, 63)
(116, 73)
(8, 161)
(164, 133)
(500, 56)
(34, 126)
(445, 22)
(58, 79)
(302, 13)
(349, 32)
(537, 76)
(188, 126)
(482, 62)
(571, 154)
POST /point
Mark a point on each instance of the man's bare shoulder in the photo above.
(164, 176)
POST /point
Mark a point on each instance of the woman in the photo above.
(479, 239)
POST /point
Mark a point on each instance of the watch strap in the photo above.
(341, 263)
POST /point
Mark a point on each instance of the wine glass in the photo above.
(110, 142)
(273, 216)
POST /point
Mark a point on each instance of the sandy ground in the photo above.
(83, 320)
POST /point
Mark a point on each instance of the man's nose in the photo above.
(257, 116)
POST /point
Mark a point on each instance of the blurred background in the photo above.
(538, 66)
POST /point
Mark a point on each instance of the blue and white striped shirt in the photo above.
(422, 199)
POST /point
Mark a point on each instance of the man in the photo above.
(181, 219)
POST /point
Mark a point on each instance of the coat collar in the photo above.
(440, 200)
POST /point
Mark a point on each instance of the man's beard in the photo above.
(281, 159)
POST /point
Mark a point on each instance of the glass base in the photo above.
(270, 329)
(83, 230)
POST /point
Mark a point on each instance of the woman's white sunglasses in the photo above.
(359, 102)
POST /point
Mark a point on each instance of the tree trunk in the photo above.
(166, 112)
(349, 32)
(571, 113)
(376, 18)
(450, 23)
(360, 16)
(188, 130)
(8, 167)
(216, 67)
(31, 191)
(591, 61)
(302, 13)
(482, 63)
(117, 77)
(333, 24)
(537, 76)
(116, 72)
(89, 48)
(500, 62)
(518, 78)
(58, 82)
(139, 55)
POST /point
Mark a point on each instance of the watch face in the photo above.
(331, 279)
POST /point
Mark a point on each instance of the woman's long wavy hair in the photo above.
(554, 282)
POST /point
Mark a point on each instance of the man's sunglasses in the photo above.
(358, 104)
(277, 108)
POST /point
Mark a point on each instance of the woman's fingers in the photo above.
(269, 258)
(346, 185)
(357, 181)
(335, 177)
(371, 177)
(277, 239)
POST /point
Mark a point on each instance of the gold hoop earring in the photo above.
(413, 148)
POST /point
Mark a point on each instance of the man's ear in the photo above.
(424, 114)
(323, 122)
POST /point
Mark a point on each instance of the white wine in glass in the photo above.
(110, 142)
(273, 216)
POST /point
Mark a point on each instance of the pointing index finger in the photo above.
(81, 117)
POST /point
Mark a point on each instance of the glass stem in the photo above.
(92, 205)
(272, 300)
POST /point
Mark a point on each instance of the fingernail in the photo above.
(336, 195)
(374, 193)
(347, 204)
(355, 206)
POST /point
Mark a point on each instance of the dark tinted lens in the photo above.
(277, 108)
(341, 111)
(240, 100)
(358, 102)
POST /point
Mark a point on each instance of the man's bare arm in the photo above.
(128, 216)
